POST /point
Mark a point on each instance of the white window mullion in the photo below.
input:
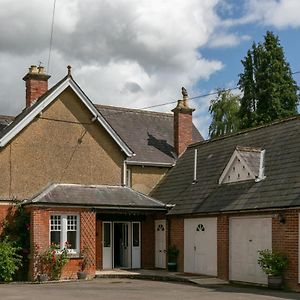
(64, 231)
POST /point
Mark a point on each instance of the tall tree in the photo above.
(269, 90)
(224, 111)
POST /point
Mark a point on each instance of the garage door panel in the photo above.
(200, 246)
(247, 237)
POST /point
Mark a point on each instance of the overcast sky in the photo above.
(137, 53)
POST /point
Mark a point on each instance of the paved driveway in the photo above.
(124, 289)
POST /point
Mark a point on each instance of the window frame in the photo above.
(64, 231)
(129, 177)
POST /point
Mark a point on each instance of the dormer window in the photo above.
(246, 163)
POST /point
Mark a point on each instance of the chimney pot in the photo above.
(33, 69)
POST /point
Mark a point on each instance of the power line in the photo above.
(200, 96)
(51, 37)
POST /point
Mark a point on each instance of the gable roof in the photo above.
(97, 196)
(149, 134)
(29, 113)
(280, 188)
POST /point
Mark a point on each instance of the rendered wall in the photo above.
(62, 145)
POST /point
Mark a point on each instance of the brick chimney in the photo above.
(36, 81)
(183, 124)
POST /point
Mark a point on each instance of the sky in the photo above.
(139, 53)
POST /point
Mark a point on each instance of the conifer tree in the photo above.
(269, 90)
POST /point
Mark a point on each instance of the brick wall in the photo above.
(6, 215)
(223, 246)
(148, 243)
(39, 225)
(183, 129)
(99, 255)
(176, 238)
(285, 239)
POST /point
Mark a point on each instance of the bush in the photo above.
(52, 261)
(10, 260)
(272, 263)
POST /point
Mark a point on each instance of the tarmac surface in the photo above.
(131, 289)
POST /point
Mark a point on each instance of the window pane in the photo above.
(71, 239)
(72, 231)
(136, 234)
(55, 237)
(106, 238)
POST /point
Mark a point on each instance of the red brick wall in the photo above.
(285, 239)
(176, 237)
(35, 89)
(223, 246)
(6, 215)
(99, 244)
(183, 130)
(148, 243)
(39, 224)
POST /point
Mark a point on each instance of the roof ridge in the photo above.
(223, 137)
(133, 110)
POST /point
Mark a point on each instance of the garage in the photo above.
(248, 236)
(200, 246)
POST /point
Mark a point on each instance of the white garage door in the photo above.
(200, 246)
(247, 237)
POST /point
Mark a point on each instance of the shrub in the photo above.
(10, 260)
(52, 261)
(272, 263)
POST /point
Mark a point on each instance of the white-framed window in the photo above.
(65, 229)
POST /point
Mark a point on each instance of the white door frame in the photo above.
(133, 252)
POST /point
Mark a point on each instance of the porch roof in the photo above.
(95, 196)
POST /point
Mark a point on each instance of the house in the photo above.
(72, 164)
(235, 195)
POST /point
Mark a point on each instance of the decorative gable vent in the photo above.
(246, 163)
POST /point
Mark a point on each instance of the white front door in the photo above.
(200, 246)
(136, 245)
(248, 236)
(107, 245)
(160, 244)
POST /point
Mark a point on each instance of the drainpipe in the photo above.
(124, 175)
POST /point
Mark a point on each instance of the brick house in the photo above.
(83, 172)
(233, 196)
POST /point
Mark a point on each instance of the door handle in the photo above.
(195, 248)
(159, 250)
(165, 251)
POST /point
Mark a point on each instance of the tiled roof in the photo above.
(148, 134)
(280, 188)
(110, 197)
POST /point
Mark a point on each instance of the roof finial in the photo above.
(184, 93)
(69, 70)
(185, 96)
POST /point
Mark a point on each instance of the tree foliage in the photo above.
(269, 90)
(224, 110)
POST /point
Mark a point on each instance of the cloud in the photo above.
(131, 53)
(227, 40)
(278, 13)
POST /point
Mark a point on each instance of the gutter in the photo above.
(149, 163)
